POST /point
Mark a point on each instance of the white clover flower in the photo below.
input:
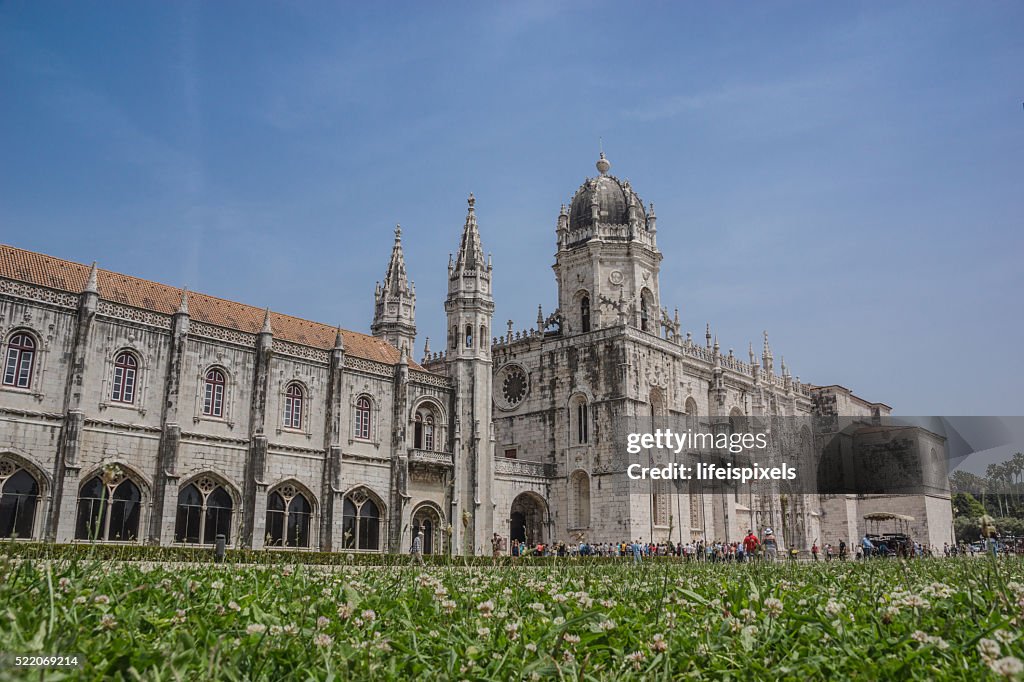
(80, 600)
(747, 614)
(988, 648)
(531, 647)
(217, 584)
(773, 606)
(571, 639)
(1004, 636)
(108, 622)
(483, 632)
(636, 658)
(833, 607)
(234, 606)
(658, 643)
(1008, 667)
(323, 639)
(322, 622)
(536, 606)
(512, 630)
(102, 599)
(559, 620)
(448, 605)
(919, 636)
(606, 625)
(255, 629)
(369, 615)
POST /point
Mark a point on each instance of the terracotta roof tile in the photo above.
(54, 273)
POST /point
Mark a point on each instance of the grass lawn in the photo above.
(933, 619)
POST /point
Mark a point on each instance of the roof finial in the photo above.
(339, 341)
(603, 164)
(471, 201)
(266, 323)
(183, 306)
(398, 232)
(91, 286)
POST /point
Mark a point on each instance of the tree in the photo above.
(966, 505)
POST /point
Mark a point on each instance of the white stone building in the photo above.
(132, 411)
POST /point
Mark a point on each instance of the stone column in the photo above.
(165, 477)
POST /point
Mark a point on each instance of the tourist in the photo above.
(417, 548)
(867, 547)
(771, 545)
(750, 543)
(814, 550)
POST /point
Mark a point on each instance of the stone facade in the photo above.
(274, 430)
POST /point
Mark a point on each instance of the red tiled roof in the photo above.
(55, 273)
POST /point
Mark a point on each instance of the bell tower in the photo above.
(608, 260)
(470, 309)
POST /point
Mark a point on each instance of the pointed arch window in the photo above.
(585, 314)
(483, 336)
(294, 401)
(109, 506)
(361, 522)
(644, 314)
(362, 429)
(289, 516)
(19, 360)
(469, 336)
(19, 497)
(125, 370)
(213, 393)
(205, 510)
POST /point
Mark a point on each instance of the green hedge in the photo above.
(104, 552)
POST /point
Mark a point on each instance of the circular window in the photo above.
(511, 386)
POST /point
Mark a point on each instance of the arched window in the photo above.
(213, 394)
(483, 336)
(454, 338)
(204, 511)
(109, 506)
(585, 314)
(293, 400)
(289, 515)
(579, 421)
(21, 350)
(19, 496)
(125, 368)
(360, 522)
(469, 336)
(423, 429)
(644, 313)
(363, 418)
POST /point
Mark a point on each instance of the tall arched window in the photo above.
(18, 363)
(289, 514)
(483, 336)
(585, 314)
(644, 313)
(109, 506)
(19, 496)
(469, 336)
(213, 394)
(125, 368)
(579, 421)
(361, 522)
(363, 418)
(204, 511)
(293, 401)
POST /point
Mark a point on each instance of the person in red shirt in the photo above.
(814, 550)
(750, 545)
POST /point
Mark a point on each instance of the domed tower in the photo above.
(608, 260)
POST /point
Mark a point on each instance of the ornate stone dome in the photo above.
(613, 200)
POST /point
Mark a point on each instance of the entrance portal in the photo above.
(526, 520)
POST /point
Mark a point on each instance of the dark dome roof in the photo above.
(612, 200)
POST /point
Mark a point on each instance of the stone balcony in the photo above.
(444, 459)
(519, 467)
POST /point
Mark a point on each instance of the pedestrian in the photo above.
(750, 543)
(417, 547)
(636, 552)
(771, 545)
(867, 546)
(814, 550)
(495, 545)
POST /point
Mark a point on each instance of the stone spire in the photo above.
(396, 281)
(766, 355)
(92, 285)
(707, 334)
(471, 254)
(426, 350)
(267, 329)
(339, 340)
(394, 312)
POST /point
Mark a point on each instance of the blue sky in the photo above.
(844, 175)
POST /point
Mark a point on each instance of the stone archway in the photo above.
(527, 519)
